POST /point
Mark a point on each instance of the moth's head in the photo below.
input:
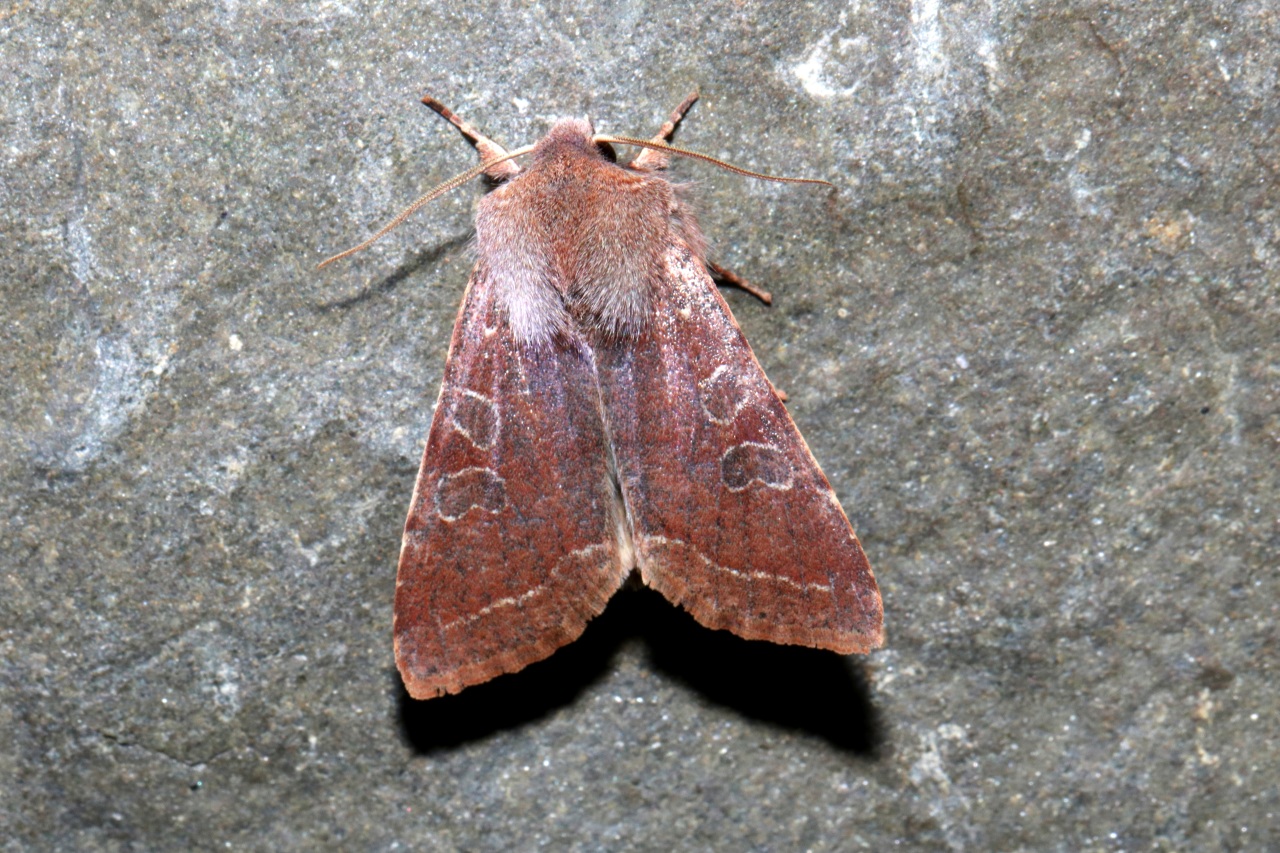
(574, 149)
(573, 136)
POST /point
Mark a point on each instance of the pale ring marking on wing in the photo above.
(723, 396)
(471, 423)
(755, 462)
(471, 488)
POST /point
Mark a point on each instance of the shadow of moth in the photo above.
(602, 414)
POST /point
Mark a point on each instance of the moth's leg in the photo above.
(731, 278)
(664, 134)
(652, 160)
(485, 147)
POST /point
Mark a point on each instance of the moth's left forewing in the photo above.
(510, 546)
(731, 516)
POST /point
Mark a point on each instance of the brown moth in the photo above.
(602, 414)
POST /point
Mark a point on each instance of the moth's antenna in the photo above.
(452, 183)
(706, 158)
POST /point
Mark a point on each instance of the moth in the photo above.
(601, 415)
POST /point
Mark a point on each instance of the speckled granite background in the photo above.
(1033, 341)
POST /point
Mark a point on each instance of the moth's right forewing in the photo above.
(511, 544)
(731, 516)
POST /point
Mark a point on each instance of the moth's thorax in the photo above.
(577, 241)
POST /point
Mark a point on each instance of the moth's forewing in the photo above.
(731, 517)
(510, 545)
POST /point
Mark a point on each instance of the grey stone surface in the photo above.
(1033, 340)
